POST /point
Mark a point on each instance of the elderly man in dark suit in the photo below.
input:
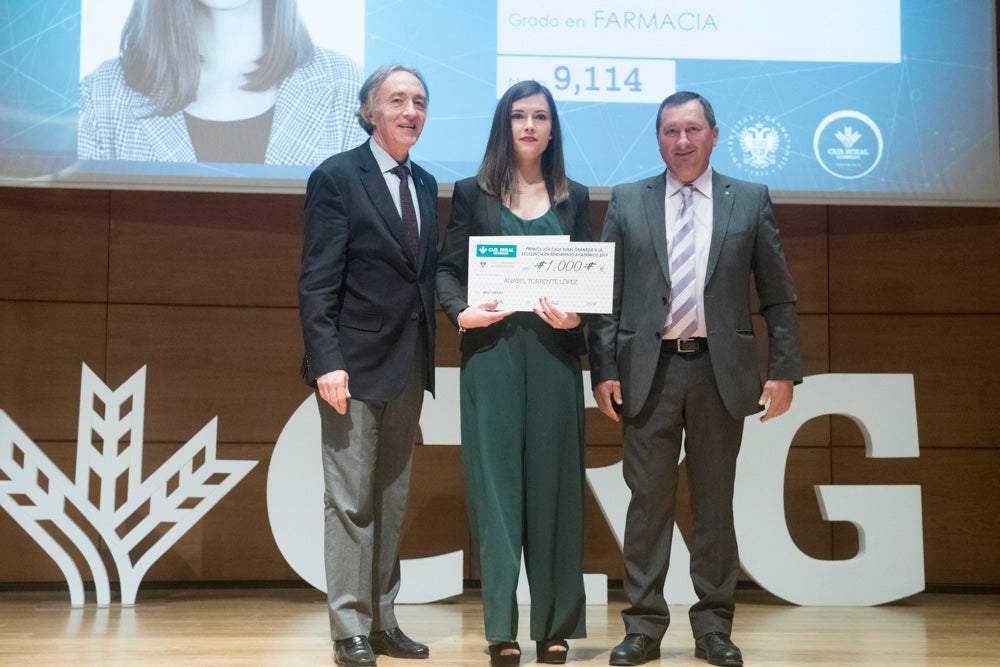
(366, 297)
(676, 360)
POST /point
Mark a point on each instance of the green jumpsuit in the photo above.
(523, 462)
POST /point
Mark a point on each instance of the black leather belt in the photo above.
(689, 346)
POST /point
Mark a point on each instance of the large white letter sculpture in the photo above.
(295, 502)
(295, 497)
(34, 491)
(888, 566)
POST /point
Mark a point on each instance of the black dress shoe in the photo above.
(635, 649)
(353, 652)
(718, 649)
(395, 644)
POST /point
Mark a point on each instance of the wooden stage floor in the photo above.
(288, 628)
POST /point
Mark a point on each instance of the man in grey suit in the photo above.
(366, 301)
(676, 360)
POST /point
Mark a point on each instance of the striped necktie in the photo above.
(683, 298)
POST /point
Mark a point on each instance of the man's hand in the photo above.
(777, 393)
(333, 389)
(609, 394)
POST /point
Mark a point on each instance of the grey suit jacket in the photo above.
(745, 243)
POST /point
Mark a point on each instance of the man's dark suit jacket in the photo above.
(363, 296)
(745, 243)
(476, 213)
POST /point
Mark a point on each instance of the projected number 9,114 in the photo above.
(591, 80)
(607, 80)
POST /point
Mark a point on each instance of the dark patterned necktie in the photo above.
(410, 229)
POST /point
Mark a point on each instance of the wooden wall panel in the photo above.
(436, 520)
(956, 374)
(804, 240)
(239, 364)
(233, 541)
(53, 244)
(805, 468)
(205, 249)
(44, 346)
(446, 352)
(914, 260)
(601, 553)
(201, 289)
(815, 351)
(601, 431)
(960, 499)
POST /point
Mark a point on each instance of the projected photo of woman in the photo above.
(219, 81)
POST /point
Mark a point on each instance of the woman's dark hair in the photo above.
(160, 58)
(498, 172)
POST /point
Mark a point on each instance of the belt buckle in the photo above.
(681, 349)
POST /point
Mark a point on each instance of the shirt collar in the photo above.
(385, 161)
(703, 183)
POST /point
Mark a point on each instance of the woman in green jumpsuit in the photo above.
(521, 386)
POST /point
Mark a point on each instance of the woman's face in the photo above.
(531, 125)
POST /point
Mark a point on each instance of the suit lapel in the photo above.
(656, 218)
(493, 206)
(722, 212)
(374, 183)
(428, 214)
(565, 217)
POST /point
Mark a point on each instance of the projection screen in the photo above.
(863, 101)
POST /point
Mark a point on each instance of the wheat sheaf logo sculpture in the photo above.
(108, 502)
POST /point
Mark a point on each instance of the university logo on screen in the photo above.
(759, 146)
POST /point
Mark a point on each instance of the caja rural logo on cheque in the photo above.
(759, 145)
(848, 144)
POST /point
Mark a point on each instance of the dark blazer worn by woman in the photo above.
(476, 213)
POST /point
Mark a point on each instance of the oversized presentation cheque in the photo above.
(518, 270)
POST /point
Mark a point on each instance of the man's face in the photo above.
(686, 140)
(400, 112)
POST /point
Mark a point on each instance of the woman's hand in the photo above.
(482, 315)
(554, 317)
